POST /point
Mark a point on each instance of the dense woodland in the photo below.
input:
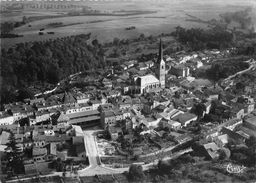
(199, 39)
(48, 61)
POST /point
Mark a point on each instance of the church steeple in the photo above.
(160, 54)
(160, 66)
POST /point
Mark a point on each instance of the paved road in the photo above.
(91, 149)
(95, 168)
(252, 66)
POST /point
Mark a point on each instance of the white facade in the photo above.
(147, 82)
(82, 109)
(8, 120)
(40, 118)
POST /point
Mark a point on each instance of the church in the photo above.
(152, 82)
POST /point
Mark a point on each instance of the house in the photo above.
(95, 104)
(68, 98)
(250, 123)
(221, 140)
(125, 104)
(136, 103)
(80, 151)
(174, 124)
(183, 138)
(185, 118)
(39, 117)
(199, 64)
(118, 114)
(62, 119)
(160, 101)
(170, 112)
(147, 107)
(19, 110)
(149, 64)
(211, 150)
(169, 124)
(246, 102)
(39, 151)
(6, 119)
(238, 137)
(39, 143)
(36, 101)
(180, 70)
(49, 104)
(82, 98)
(124, 67)
(237, 112)
(213, 97)
(153, 122)
(126, 113)
(142, 66)
(248, 108)
(84, 117)
(207, 107)
(77, 140)
(52, 149)
(107, 83)
(49, 133)
(106, 107)
(114, 132)
(130, 63)
(108, 118)
(111, 93)
(78, 108)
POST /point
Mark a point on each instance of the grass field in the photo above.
(169, 15)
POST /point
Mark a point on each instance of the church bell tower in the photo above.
(160, 66)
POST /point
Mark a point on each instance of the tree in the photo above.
(59, 165)
(164, 166)
(136, 173)
(251, 142)
(95, 42)
(224, 153)
(14, 156)
(24, 93)
(214, 73)
(116, 41)
(199, 109)
(239, 157)
(24, 19)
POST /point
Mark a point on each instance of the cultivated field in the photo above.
(169, 15)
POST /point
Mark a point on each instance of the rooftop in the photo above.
(182, 118)
(84, 119)
(251, 120)
(83, 114)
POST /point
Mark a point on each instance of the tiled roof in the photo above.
(68, 98)
(182, 118)
(83, 114)
(84, 119)
(62, 118)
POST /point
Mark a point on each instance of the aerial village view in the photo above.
(108, 92)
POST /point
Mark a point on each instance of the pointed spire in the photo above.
(160, 54)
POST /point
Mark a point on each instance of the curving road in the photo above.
(252, 66)
(96, 168)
